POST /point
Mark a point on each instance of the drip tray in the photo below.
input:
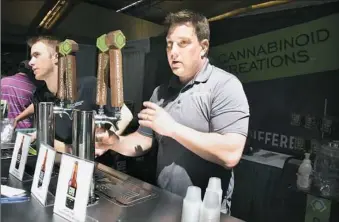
(125, 191)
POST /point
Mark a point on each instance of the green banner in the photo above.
(317, 209)
(297, 50)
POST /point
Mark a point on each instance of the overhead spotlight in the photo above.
(54, 14)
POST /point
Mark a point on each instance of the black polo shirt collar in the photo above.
(42, 94)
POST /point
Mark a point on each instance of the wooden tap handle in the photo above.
(68, 48)
(115, 41)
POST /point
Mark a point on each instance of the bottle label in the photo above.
(71, 191)
(70, 203)
(41, 178)
(70, 198)
(18, 161)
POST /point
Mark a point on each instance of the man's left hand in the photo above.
(156, 118)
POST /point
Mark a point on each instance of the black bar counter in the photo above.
(164, 207)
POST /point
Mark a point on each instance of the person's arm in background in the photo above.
(25, 114)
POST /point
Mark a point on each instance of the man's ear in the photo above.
(55, 58)
(204, 45)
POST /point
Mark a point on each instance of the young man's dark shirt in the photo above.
(86, 101)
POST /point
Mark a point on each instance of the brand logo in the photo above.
(318, 205)
(76, 104)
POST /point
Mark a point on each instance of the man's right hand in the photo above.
(104, 140)
(15, 122)
(24, 114)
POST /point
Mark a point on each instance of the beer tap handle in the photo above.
(102, 72)
(116, 41)
(61, 77)
(68, 48)
(110, 58)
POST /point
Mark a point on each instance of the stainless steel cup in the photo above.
(83, 134)
(83, 140)
(45, 124)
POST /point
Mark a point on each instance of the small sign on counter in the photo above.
(43, 172)
(73, 188)
(19, 157)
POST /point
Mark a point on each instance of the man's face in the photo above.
(43, 60)
(184, 51)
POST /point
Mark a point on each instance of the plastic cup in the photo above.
(191, 205)
(210, 209)
(214, 184)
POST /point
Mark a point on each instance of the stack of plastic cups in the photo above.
(210, 208)
(191, 205)
(214, 184)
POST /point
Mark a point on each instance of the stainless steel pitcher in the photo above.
(45, 124)
(83, 140)
(83, 134)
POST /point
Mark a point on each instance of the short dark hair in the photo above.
(198, 21)
(51, 41)
(24, 67)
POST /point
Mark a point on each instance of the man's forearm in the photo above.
(213, 147)
(132, 145)
(26, 113)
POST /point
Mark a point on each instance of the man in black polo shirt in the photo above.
(199, 119)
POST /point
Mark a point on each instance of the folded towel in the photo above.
(11, 192)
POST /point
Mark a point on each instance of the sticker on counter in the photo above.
(317, 209)
(43, 172)
(19, 157)
(73, 188)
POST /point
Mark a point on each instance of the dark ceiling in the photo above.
(20, 18)
(156, 10)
